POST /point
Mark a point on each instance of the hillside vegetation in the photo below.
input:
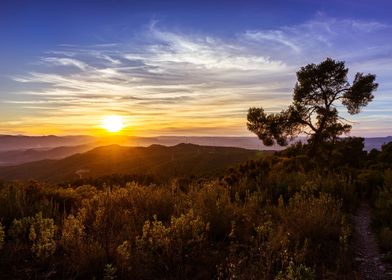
(283, 216)
(179, 160)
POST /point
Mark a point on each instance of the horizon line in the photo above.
(186, 136)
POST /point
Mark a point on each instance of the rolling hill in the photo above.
(23, 142)
(15, 157)
(179, 160)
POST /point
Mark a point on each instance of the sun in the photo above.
(113, 123)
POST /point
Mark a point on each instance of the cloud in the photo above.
(65, 61)
(274, 36)
(321, 37)
(206, 52)
(192, 82)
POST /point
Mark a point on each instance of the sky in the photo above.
(180, 67)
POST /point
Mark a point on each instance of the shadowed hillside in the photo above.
(182, 159)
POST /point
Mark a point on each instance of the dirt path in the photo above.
(367, 255)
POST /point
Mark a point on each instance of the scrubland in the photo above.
(284, 216)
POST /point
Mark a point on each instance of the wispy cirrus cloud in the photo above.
(65, 61)
(173, 83)
(320, 37)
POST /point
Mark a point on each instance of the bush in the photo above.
(368, 181)
(173, 249)
(2, 236)
(382, 219)
(109, 272)
(42, 236)
(293, 272)
(383, 203)
(36, 231)
(312, 222)
(73, 234)
(213, 204)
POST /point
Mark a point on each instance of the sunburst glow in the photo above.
(113, 123)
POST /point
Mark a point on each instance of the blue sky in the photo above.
(180, 67)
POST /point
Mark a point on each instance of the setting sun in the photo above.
(113, 123)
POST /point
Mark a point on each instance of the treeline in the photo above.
(285, 216)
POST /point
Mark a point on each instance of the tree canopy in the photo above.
(320, 88)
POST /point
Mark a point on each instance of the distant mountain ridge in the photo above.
(21, 142)
(179, 160)
(38, 157)
(376, 142)
(15, 157)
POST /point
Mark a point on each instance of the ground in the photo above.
(367, 253)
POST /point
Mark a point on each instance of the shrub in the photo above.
(213, 203)
(383, 203)
(72, 234)
(171, 250)
(42, 236)
(124, 253)
(2, 236)
(20, 228)
(293, 272)
(369, 180)
(38, 232)
(109, 272)
(312, 222)
(184, 232)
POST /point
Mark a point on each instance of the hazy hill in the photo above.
(15, 157)
(376, 142)
(182, 159)
(21, 142)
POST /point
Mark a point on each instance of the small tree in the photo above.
(317, 92)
